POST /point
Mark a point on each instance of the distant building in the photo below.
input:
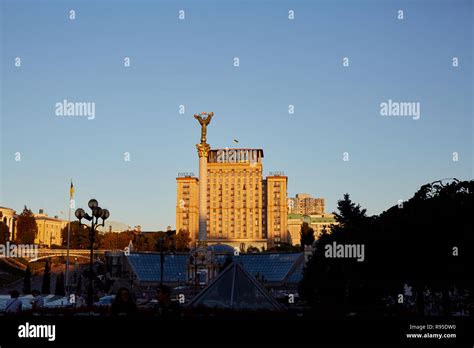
(8, 216)
(304, 204)
(49, 229)
(230, 201)
(317, 222)
(243, 208)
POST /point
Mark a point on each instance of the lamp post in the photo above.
(162, 259)
(97, 213)
(193, 261)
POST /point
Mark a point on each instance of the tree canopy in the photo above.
(425, 242)
(26, 227)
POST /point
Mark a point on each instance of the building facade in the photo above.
(49, 229)
(304, 204)
(318, 223)
(242, 208)
(8, 217)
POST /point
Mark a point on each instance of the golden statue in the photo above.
(204, 121)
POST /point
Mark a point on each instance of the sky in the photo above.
(190, 62)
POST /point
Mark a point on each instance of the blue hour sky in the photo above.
(190, 62)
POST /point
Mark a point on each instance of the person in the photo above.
(14, 304)
(123, 303)
(166, 308)
(38, 301)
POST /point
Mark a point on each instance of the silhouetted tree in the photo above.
(46, 285)
(182, 240)
(4, 233)
(425, 242)
(26, 227)
(79, 237)
(329, 283)
(60, 285)
(27, 281)
(306, 235)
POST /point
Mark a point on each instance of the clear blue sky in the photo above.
(190, 62)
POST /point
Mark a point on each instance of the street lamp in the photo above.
(162, 259)
(97, 213)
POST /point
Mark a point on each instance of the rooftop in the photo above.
(272, 267)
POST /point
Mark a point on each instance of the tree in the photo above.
(182, 240)
(426, 235)
(79, 237)
(26, 227)
(60, 285)
(46, 286)
(306, 235)
(4, 233)
(27, 281)
(327, 282)
(162, 241)
(349, 214)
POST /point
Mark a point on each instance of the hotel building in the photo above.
(243, 209)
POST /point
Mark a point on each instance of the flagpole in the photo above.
(68, 239)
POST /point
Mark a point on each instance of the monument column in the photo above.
(203, 151)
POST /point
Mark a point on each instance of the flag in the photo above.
(71, 191)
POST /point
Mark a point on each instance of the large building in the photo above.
(231, 203)
(318, 223)
(49, 229)
(304, 204)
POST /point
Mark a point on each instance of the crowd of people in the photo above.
(123, 304)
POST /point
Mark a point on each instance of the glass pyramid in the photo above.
(235, 288)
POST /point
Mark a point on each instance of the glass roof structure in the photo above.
(267, 267)
(274, 267)
(147, 267)
(235, 288)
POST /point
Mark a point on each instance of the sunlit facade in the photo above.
(243, 208)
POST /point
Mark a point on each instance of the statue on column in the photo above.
(204, 121)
